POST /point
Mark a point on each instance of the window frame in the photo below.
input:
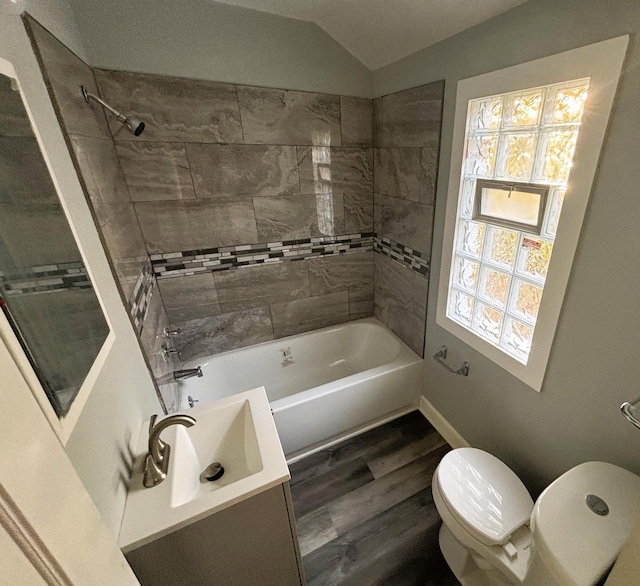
(601, 63)
(542, 190)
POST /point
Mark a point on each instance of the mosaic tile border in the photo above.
(141, 297)
(402, 254)
(198, 261)
(45, 279)
(191, 262)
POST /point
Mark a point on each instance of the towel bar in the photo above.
(441, 356)
(627, 408)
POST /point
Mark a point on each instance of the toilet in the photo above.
(493, 533)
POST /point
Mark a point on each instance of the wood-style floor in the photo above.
(365, 512)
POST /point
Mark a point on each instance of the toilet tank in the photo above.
(580, 522)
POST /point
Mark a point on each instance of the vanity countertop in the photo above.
(238, 431)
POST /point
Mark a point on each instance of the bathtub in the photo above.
(323, 386)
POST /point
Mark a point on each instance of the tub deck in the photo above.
(364, 510)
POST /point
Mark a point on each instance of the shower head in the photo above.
(133, 125)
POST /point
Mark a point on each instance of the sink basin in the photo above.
(237, 431)
(230, 439)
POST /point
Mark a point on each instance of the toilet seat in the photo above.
(514, 568)
(566, 542)
(484, 495)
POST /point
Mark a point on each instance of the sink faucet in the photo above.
(156, 463)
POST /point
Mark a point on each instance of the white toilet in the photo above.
(493, 533)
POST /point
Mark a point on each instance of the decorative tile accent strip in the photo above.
(45, 278)
(403, 254)
(141, 296)
(191, 262)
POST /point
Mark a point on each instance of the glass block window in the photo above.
(498, 273)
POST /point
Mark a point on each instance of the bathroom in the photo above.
(286, 219)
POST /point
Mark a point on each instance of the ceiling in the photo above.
(379, 32)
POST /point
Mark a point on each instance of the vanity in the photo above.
(237, 530)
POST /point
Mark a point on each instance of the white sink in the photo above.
(230, 439)
(237, 431)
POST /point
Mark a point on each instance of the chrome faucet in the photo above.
(167, 352)
(187, 373)
(156, 462)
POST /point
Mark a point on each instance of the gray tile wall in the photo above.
(275, 301)
(98, 165)
(221, 165)
(407, 145)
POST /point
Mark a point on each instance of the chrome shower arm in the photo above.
(88, 96)
(135, 126)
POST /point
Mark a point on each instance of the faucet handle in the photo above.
(166, 351)
(152, 424)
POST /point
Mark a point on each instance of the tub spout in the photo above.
(187, 373)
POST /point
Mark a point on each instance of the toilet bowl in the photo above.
(493, 533)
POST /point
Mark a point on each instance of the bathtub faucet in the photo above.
(187, 373)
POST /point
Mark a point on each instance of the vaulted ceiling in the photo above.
(379, 32)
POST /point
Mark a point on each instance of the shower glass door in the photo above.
(45, 291)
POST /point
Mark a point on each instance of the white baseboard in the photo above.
(443, 427)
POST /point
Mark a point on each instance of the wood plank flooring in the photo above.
(365, 512)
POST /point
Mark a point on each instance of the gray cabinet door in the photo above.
(248, 544)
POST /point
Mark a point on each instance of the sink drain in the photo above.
(214, 471)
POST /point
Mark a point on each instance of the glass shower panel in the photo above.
(45, 291)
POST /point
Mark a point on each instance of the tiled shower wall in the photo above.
(89, 138)
(256, 205)
(252, 209)
(407, 146)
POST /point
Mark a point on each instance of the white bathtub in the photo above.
(323, 385)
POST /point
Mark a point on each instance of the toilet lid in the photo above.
(484, 494)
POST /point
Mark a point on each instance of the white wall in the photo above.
(202, 39)
(594, 362)
(123, 394)
(57, 14)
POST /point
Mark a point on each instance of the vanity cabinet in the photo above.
(253, 542)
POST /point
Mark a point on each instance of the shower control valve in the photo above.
(167, 352)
